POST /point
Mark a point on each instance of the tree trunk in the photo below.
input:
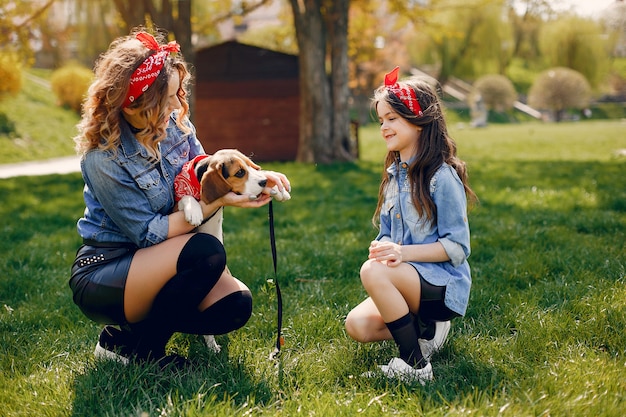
(324, 112)
(342, 145)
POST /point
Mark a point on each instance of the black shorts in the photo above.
(98, 278)
(432, 304)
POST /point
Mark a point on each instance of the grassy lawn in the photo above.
(544, 333)
(40, 129)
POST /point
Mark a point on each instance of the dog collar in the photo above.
(186, 182)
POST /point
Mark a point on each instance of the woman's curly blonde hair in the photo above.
(102, 109)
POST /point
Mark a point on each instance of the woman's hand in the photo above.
(245, 201)
(276, 179)
(387, 252)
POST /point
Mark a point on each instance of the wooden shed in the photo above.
(247, 98)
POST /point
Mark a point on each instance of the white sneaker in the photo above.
(397, 368)
(429, 347)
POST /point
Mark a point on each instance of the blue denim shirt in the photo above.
(128, 194)
(401, 223)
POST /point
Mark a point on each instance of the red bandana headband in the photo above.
(144, 76)
(405, 93)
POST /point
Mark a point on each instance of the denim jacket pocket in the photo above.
(418, 224)
(150, 184)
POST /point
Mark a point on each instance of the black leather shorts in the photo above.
(98, 278)
(432, 305)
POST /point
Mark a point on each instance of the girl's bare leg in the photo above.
(394, 291)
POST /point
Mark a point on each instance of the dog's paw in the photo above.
(192, 209)
(280, 195)
(211, 344)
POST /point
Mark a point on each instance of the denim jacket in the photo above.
(128, 194)
(401, 223)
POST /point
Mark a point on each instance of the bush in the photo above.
(558, 89)
(497, 92)
(10, 74)
(6, 125)
(70, 84)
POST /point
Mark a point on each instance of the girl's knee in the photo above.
(355, 327)
(372, 273)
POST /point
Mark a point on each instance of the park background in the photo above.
(544, 333)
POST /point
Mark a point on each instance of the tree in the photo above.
(321, 31)
(19, 22)
(462, 38)
(559, 89)
(578, 44)
(324, 116)
(173, 15)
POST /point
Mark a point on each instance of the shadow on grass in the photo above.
(211, 380)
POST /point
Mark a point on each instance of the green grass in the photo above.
(42, 129)
(544, 332)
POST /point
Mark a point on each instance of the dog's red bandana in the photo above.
(186, 182)
(405, 93)
(146, 73)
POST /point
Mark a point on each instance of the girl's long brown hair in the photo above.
(435, 147)
(102, 109)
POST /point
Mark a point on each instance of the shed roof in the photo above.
(234, 61)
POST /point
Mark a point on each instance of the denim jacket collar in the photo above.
(129, 145)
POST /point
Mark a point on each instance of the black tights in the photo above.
(175, 309)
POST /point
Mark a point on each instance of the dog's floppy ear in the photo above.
(213, 184)
(250, 162)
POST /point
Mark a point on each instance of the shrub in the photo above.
(558, 89)
(70, 84)
(6, 125)
(497, 92)
(10, 74)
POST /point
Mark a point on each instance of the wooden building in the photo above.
(247, 98)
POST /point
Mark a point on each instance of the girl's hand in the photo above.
(387, 252)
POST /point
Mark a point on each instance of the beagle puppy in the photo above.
(209, 177)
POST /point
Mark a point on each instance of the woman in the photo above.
(140, 266)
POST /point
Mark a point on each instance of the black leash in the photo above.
(279, 298)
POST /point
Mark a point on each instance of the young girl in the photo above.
(139, 267)
(417, 276)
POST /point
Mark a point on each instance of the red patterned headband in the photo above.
(405, 93)
(144, 76)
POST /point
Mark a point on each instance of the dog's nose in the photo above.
(263, 183)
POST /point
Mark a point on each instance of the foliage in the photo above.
(544, 329)
(558, 89)
(10, 74)
(464, 39)
(497, 91)
(577, 44)
(21, 22)
(520, 75)
(70, 84)
(280, 37)
(7, 127)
